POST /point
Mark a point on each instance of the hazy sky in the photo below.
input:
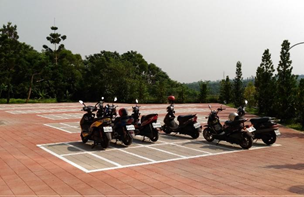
(190, 40)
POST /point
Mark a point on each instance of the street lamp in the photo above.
(295, 45)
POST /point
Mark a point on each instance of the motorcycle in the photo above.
(96, 129)
(147, 126)
(187, 124)
(233, 131)
(266, 128)
(123, 129)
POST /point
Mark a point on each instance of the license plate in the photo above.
(130, 127)
(250, 129)
(277, 132)
(156, 125)
(107, 129)
(197, 125)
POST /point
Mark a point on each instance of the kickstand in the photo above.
(144, 139)
(218, 142)
(93, 145)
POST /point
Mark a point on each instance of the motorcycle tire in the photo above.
(127, 139)
(246, 141)
(208, 135)
(83, 139)
(166, 129)
(269, 138)
(105, 143)
(155, 135)
(195, 134)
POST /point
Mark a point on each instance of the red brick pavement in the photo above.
(27, 170)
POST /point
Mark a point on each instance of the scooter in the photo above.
(147, 126)
(97, 129)
(188, 124)
(233, 131)
(266, 128)
(123, 129)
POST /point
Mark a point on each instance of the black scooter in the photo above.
(188, 124)
(97, 129)
(123, 129)
(233, 131)
(147, 126)
(266, 128)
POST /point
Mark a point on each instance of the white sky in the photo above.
(190, 40)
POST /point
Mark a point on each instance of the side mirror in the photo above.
(115, 99)
(102, 98)
(209, 106)
(81, 102)
(136, 101)
(246, 102)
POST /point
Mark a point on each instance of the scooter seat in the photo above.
(184, 118)
(259, 120)
(236, 122)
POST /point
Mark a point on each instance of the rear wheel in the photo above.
(208, 135)
(246, 141)
(269, 138)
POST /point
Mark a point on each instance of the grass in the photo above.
(19, 101)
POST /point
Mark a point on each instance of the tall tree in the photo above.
(225, 90)
(265, 85)
(300, 102)
(238, 89)
(55, 39)
(10, 52)
(286, 85)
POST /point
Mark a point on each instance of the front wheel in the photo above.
(269, 138)
(166, 129)
(155, 135)
(127, 139)
(195, 134)
(246, 141)
(83, 139)
(105, 142)
(208, 135)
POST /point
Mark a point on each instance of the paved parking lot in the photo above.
(167, 148)
(42, 155)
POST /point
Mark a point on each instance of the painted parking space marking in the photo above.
(83, 157)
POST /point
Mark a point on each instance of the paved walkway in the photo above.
(28, 170)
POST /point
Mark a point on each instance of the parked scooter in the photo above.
(123, 129)
(147, 126)
(97, 129)
(233, 131)
(266, 128)
(187, 124)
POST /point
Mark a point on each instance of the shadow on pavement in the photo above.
(298, 166)
(298, 189)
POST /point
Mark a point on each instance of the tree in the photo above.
(55, 39)
(225, 90)
(10, 54)
(203, 91)
(249, 94)
(300, 102)
(265, 85)
(238, 89)
(286, 85)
